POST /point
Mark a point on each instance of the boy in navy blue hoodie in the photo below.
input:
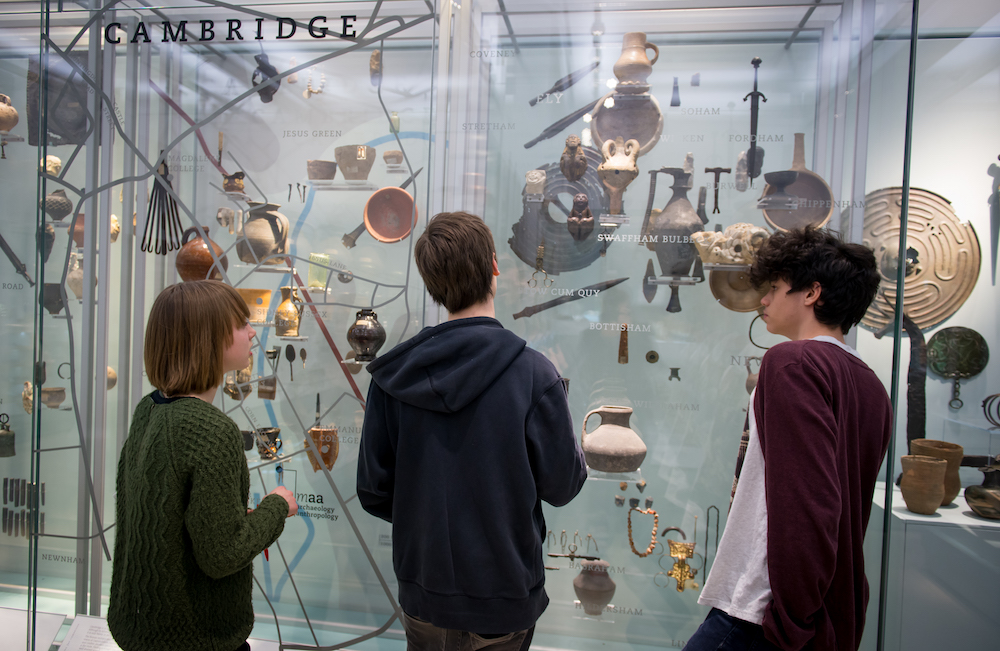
(466, 431)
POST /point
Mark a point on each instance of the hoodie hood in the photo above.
(445, 367)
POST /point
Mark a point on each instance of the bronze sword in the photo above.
(575, 296)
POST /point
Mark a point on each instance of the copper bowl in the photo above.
(387, 214)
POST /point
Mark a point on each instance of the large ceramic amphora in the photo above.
(673, 226)
(593, 587)
(289, 313)
(195, 261)
(618, 168)
(264, 234)
(950, 452)
(922, 483)
(613, 446)
(633, 66)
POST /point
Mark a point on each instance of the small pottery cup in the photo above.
(355, 161)
(53, 396)
(922, 483)
(950, 452)
(321, 170)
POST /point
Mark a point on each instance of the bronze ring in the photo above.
(59, 370)
(750, 334)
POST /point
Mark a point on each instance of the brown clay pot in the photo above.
(57, 205)
(194, 262)
(593, 587)
(328, 443)
(355, 161)
(321, 170)
(392, 157)
(922, 483)
(950, 452)
(53, 396)
(985, 499)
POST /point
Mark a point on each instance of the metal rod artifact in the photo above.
(556, 127)
(755, 96)
(718, 171)
(590, 290)
(565, 82)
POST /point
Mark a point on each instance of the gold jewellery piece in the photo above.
(652, 541)
(310, 91)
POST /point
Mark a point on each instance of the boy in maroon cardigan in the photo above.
(789, 573)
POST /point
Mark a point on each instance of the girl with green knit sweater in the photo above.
(185, 538)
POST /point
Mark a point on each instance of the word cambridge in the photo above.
(232, 27)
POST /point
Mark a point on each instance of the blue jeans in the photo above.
(424, 636)
(720, 632)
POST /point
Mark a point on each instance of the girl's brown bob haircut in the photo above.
(189, 329)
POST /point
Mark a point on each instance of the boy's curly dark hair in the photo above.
(848, 273)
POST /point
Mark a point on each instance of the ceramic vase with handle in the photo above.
(618, 169)
(289, 313)
(594, 587)
(985, 499)
(265, 234)
(633, 66)
(950, 452)
(922, 483)
(613, 446)
(194, 261)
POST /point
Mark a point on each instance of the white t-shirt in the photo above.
(738, 583)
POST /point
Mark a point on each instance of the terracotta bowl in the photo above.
(387, 214)
(321, 170)
(392, 157)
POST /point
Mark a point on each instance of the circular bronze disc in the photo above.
(815, 203)
(942, 257)
(957, 353)
(636, 117)
(734, 292)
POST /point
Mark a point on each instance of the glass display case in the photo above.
(628, 160)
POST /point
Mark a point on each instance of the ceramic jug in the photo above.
(366, 335)
(328, 443)
(593, 587)
(613, 446)
(8, 114)
(288, 314)
(922, 483)
(985, 499)
(264, 234)
(194, 262)
(950, 452)
(57, 205)
(618, 168)
(74, 279)
(573, 162)
(633, 66)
